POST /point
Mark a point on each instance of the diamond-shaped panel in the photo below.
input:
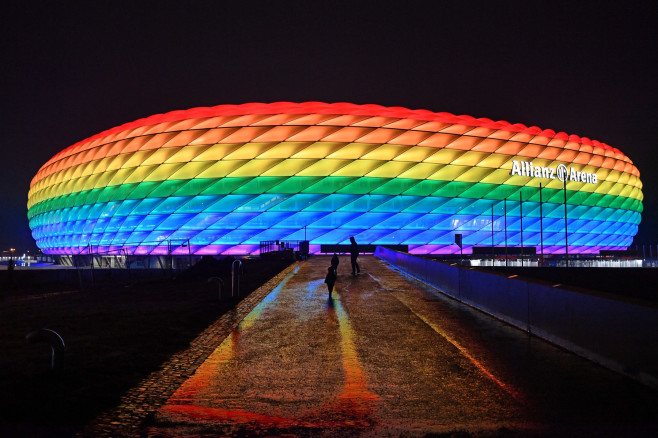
(228, 176)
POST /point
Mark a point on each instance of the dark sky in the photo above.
(68, 72)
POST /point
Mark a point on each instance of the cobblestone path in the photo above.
(386, 356)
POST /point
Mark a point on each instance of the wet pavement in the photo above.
(389, 356)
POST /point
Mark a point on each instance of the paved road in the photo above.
(390, 356)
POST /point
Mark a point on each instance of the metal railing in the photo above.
(268, 246)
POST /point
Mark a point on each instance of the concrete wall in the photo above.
(619, 334)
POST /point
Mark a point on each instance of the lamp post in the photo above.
(505, 227)
(541, 227)
(521, 218)
(493, 251)
(566, 231)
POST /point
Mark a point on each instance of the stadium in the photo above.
(221, 180)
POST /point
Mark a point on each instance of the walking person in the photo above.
(330, 279)
(354, 254)
(335, 262)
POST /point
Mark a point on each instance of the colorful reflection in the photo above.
(445, 334)
(511, 390)
(220, 180)
(351, 407)
(225, 353)
(355, 405)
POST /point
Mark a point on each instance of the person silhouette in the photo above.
(354, 254)
(330, 279)
(335, 262)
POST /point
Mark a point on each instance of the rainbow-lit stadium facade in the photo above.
(228, 177)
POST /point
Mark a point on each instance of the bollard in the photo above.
(53, 339)
(220, 284)
(236, 271)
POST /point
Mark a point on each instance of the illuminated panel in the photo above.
(227, 177)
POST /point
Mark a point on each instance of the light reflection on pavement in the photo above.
(386, 356)
(351, 408)
(514, 392)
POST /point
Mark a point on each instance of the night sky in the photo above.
(69, 72)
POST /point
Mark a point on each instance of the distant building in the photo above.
(228, 177)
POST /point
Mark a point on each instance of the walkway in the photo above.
(389, 356)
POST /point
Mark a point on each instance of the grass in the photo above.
(115, 336)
